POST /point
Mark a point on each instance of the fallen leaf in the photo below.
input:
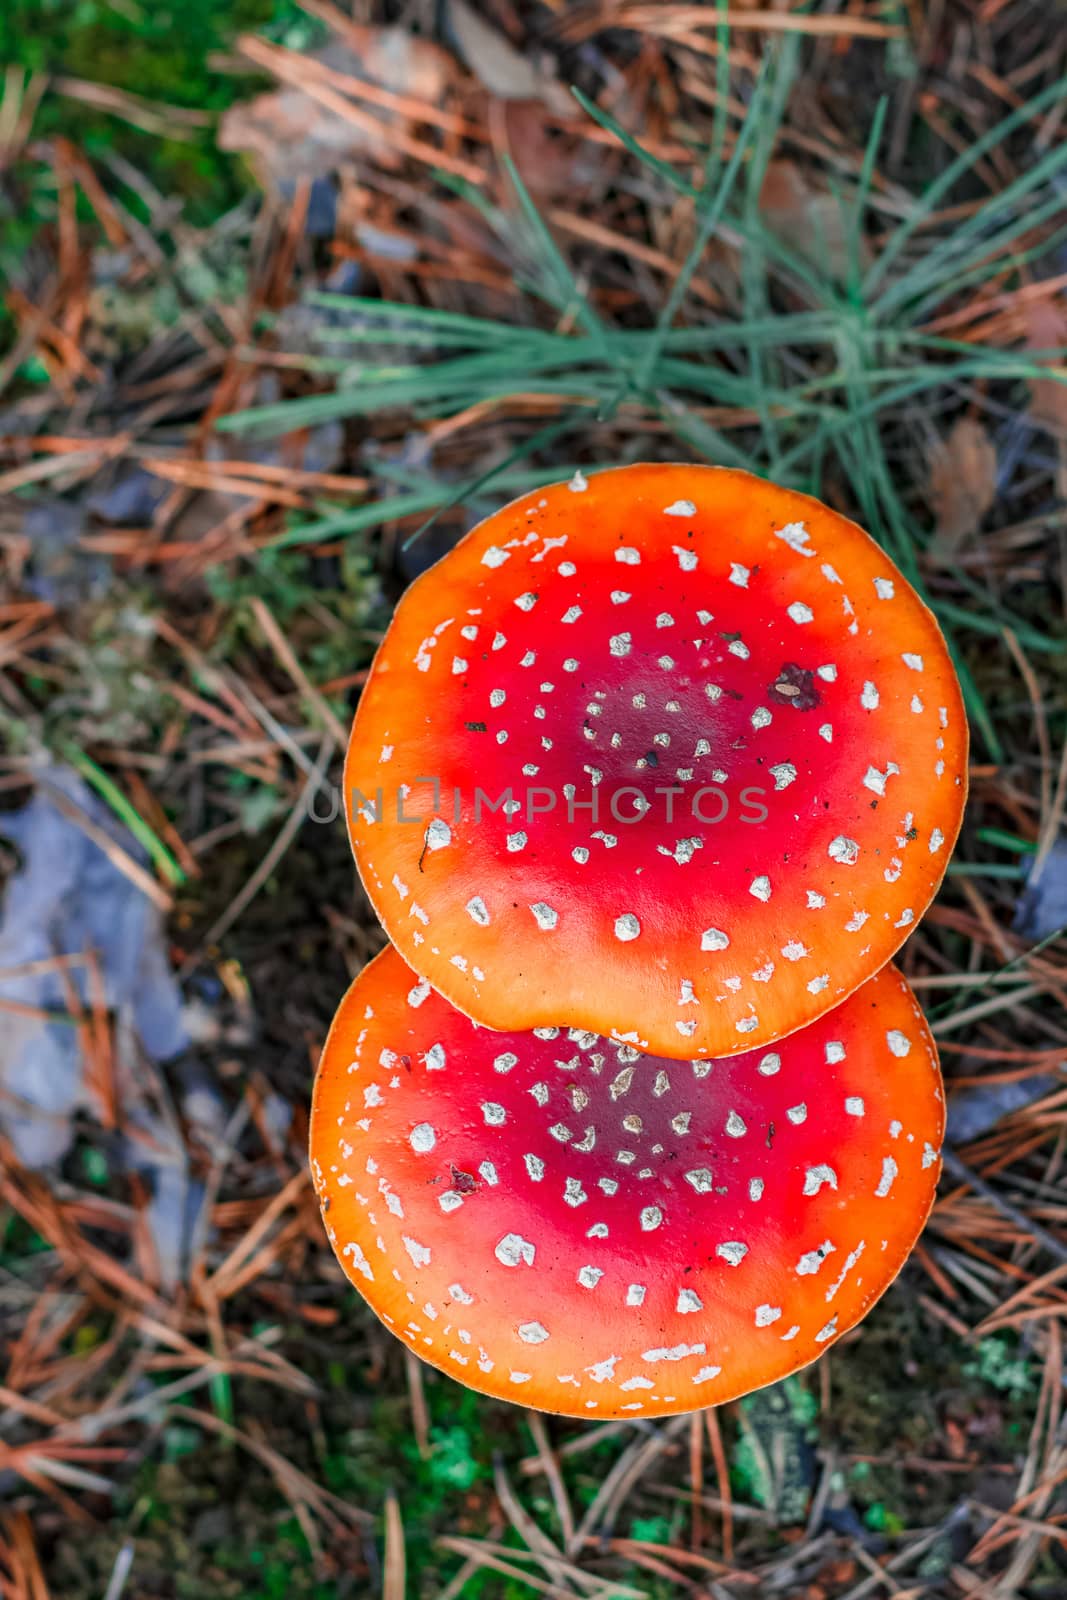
(1046, 325)
(808, 219)
(547, 160)
(973, 1112)
(401, 61)
(492, 57)
(496, 63)
(963, 486)
(291, 134)
(1042, 906)
(67, 896)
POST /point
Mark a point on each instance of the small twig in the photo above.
(119, 858)
(420, 1411)
(120, 1572)
(174, 122)
(557, 1488)
(722, 1474)
(1026, 1225)
(634, 1461)
(283, 650)
(986, 1008)
(394, 1579)
(277, 850)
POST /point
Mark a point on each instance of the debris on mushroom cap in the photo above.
(553, 1218)
(667, 752)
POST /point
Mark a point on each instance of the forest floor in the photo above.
(291, 295)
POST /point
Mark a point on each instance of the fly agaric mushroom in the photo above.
(554, 1219)
(670, 754)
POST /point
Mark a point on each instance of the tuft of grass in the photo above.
(834, 370)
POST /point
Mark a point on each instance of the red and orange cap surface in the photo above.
(669, 753)
(557, 1220)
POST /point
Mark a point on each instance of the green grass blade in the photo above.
(942, 185)
(127, 813)
(568, 297)
(958, 257)
(710, 212)
(977, 709)
(662, 169)
(854, 235)
(540, 441)
(699, 435)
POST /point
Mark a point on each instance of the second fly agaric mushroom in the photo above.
(669, 753)
(556, 1220)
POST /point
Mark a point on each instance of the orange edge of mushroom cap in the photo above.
(556, 1220)
(657, 628)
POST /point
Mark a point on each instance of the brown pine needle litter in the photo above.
(471, 249)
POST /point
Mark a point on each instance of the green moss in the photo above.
(652, 1530)
(1001, 1364)
(162, 53)
(771, 1460)
(880, 1519)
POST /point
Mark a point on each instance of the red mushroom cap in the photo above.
(554, 1219)
(760, 709)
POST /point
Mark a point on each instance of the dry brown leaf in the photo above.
(808, 219)
(963, 486)
(400, 61)
(497, 64)
(491, 56)
(392, 57)
(1046, 326)
(291, 134)
(548, 161)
